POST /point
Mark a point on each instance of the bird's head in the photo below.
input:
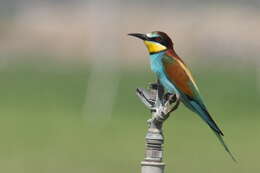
(155, 41)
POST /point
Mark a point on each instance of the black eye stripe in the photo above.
(159, 40)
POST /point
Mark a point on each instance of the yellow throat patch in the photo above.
(154, 47)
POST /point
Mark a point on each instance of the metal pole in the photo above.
(161, 105)
(153, 162)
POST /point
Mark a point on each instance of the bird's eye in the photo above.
(158, 39)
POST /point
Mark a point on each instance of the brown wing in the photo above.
(179, 74)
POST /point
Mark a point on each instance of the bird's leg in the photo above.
(171, 102)
(176, 100)
(161, 104)
(169, 98)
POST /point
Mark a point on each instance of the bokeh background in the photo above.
(68, 74)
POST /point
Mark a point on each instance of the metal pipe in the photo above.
(161, 105)
(153, 161)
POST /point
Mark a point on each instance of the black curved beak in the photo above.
(138, 35)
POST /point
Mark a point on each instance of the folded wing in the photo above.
(180, 76)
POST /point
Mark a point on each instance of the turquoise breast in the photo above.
(158, 68)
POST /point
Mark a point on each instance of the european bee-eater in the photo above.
(176, 78)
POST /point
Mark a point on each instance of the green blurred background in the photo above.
(68, 75)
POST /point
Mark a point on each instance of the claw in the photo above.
(173, 99)
(177, 100)
(169, 98)
(160, 104)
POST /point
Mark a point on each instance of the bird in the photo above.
(176, 78)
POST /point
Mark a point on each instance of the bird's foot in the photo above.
(171, 102)
(160, 104)
(175, 102)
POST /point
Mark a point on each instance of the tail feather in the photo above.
(200, 109)
(204, 114)
(221, 140)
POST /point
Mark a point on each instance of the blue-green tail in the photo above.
(200, 109)
(203, 113)
(221, 140)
